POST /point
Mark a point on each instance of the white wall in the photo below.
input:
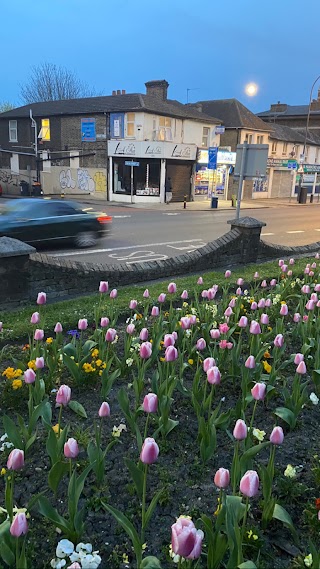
(283, 154)
(255, 134)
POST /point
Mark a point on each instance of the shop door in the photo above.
(281, 184)
(180, 174)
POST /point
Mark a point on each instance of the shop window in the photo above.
(274, 148)
(205, 136)
(13, 131)
(285, 148)
(130, 124)
(248, 138)
(165, 129)
(259, 139)
(146, 178)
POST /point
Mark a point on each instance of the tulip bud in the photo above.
(250, 362)
(104, 286)
(144, 334)
(256, 275)
(104, 410)
(222, 478)
(162, 298)
(150, 403)
(172, 288)
(301, 369)
(228, 312)
(185, 323)
(278, 341)
(298, 358)
(284, 268)
(130, 329)
(273, 282)
(114, 293)
(227, 274)
(204, 294)
(146, 293)
(280, 262)
(314, 297)
(249, 484)
(255, 328)
(211, 293)
(305, 289)
(208, 362)
(82, 324)
(306, 271)
(184, 295)
(283, 310)
(19, 525)
(38, 335)
(200, 281)
(58, 328)
(35, 318)
(258, 392)
(29, 376)
(71, 449)
(133, 304)
(186, 541)
(310, 305)
(277, 436)
(224, 328)
(243, 322)
(264, 319)
(240, 430)
(289, 273)
(239, 291)
(171, 354)
(240, 282)
(175, 335)
(291, 262)
(268, 303)
(214, 375)
(63, 395)
(215, 334)
(111, 335)
(261, 303)
(201, 344)
(155, 311)
(40, 363)
(193, 319)
(104, 322)
(42, 298)
(168, 340)
(145, 350)
(149, 452)
(15, 459)
(296, 317)
(264, 284)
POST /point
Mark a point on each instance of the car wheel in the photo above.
(86, 239)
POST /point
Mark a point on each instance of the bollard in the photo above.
(185, 202)
(62, 195)
(311, 198)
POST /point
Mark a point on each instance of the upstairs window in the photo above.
(274, 148)
(13, 131)
(165, 128)
(259, 139)
(285, 148)
(205, 136)
(130, 124)
(248, 138)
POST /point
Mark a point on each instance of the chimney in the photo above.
(123, 92)
(315, 104)
(278, 107)
(157, 89)
(118, 92)
(114, 93)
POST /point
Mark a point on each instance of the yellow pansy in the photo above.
(49, 340)
(162, 359)
(55, 428)
(87, 368)
(267, 355)
(32, 365)
(95, 353)
(16, 384)
(267, 367)
(2, 471)
(190, 362)
(258, 434)
(98, 363)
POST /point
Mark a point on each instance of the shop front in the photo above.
(210, 182)
(138, 169)
(281, 174)
(310, 180)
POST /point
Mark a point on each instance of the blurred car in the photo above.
(42, 221)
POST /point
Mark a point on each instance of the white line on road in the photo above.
(317, 229)
(265, 234)
(93, 251)
(120, 216)
(171, 214)
(298, 231)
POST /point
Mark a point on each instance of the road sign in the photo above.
(131, 163)
(292, 164)
(220, 129)
(300, 170)
(212, 157)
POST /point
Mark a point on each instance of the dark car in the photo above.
(45, 221)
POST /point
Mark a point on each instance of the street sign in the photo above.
(300, 170)
(131, 163)
(212, 157)
(292, 164)
(220, 129)
(254, 163)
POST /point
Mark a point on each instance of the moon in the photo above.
(251, 89)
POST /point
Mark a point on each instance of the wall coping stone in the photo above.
(10, 247)
(249, 222)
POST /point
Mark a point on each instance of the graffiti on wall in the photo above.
(84, 181)
(8, 178)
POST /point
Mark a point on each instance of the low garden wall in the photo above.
(24, 272)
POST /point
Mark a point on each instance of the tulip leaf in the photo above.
(107, 381)
(39, 411)
(87, 347)
(152, 506)
(4, 528)
(70, 350)
(13, 432)
(251, 452)
(57, 472)
(279, 513)
(129, 528)
(72, 367)
(247, 565)
(7, 554)
(77, 408)
(286, 415)
(136, 474)
(30, 441)
(150, 562)
(48, 511)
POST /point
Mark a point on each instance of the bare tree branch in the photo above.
(50, 82)
(6, 106)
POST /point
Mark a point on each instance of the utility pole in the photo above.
(34, 125)
(241, 177)
(306, 134)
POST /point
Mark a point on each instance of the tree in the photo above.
(6, 106)
(50, 82)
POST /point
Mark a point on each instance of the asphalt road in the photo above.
(139, 235)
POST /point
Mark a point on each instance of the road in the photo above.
(140, 235)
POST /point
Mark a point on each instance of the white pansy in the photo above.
(4, 437)
(64, 547)
(85, 547)
(58, 563)
(188, 332)
(314, 399)
(91, 562)
(129, 362)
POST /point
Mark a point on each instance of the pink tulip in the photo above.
(133, 304)
(261, 303)
(19, 525)
(40, 363)
(258, 392)
(201, 344)
(155, 311)
(305, 318)
(42, 298)
(204, 294)
(168, 340)
(175, 335)
(264, 319)
(227, 274)
(296, 317)
(63, 395)
(240, 430)
(186, 541)
(208, 362)
(255, 328)
(280, 262)
(310, 305)
(249, 484)
(171, 354)
(162, 298)
(1, 325)
(298, 358)
(145, 350)
(301, 369)
(254, 305)
(305, 289)
(103, 286)
(29, 376)
(104, 322)
(284, 268)
(150, 403)
(172, 288)
(318, 306)
(264, 284)
(82, 324)
(131, 329)
(223, 344)
(184, 295)
(200, 281)
(314, 297)
(243, 322)
(224, 328)
(278, 341)
(144, 334)
(193, 319)
(240, 282)
(71, 449)
(58, 328)
(228, 312)
(111, 335)
(306, 271)
(222, 478)
(35, 318)
(284, 310)
(211, 293)
(15, 459)
(185, 323)
(214, 375)
(38, 335)
(291, 262)
(104, 410)
(311, 274)
(149, 452)
(250, 362)
(256, 275)
(317, 256)
(215, 334)
(229, 345)
(273, 282)
(114, 293)
(239, 291)
(317, 288)
(146, 293)
(268, 303)
(289, 273)
(277, 436)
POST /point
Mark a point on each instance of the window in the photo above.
(317, 156)
(165, 128)
(306, 154)
(13, 131)
(297, 151)
(130, 124)
(259, 139)
(205, 136)
(274, 148)
(248, 138)
(285, 148)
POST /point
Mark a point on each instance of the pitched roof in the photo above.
(114, 103)
(233, 114)
(285, 133)
(290, 111)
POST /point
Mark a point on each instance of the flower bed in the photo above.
(194, 421)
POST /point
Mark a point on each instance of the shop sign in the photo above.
(311, 168)
(88, 130)
(225, 157)
(145, 149)
(117, 125)
(219, 129)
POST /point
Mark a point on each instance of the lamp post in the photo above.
(306, 133)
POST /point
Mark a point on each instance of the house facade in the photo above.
(120, 147)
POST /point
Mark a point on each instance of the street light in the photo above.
(306, 133)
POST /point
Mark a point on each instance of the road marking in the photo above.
(317, 229)
(187, 247)
(120, 216)
(139, 257)
(298, 231)
(171, 214)
(265, 234)
(93, 251)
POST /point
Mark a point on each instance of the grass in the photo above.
(16, 323)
